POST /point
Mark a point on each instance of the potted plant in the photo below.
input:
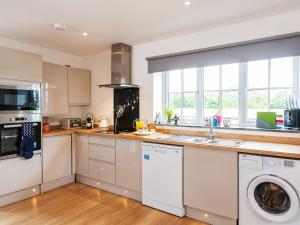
(169, 113)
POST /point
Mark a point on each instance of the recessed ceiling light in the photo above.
(60, 27)
(187, 3)
(85, 34)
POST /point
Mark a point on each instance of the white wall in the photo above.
(48, 55)
(102, 99)
(266, 27)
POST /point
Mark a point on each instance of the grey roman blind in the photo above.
(273, 47)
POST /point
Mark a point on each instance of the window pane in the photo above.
(175, 102)
(258, 74)
(190, 80)
(211, 102)
(230, 105)
(282, 72)
(189, 105)
(230, 76)
(175, 81)
(278, 100)
(211, 78)
(257, 101)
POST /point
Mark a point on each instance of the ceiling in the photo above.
(128, 21)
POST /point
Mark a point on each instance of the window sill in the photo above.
(233, 128)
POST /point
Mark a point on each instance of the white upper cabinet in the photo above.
(79, 86)
(57, 159)
(19, 65)
(54, 89)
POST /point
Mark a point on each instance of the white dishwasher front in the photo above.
(162, 182)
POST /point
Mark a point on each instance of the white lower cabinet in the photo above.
(18, 174)
(211, 182)
(82, 155)
(102, 171)
(129, 164)
(57, 159)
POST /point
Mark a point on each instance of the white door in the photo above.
(273, 198)
(57, 160)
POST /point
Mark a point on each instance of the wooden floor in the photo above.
(80, 204)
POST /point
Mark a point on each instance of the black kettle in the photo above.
(89, 121)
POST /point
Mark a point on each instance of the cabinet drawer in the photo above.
(102, 171)
(102, 141)
(103, 153)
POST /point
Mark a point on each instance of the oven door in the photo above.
(11, 136)
(19, 99)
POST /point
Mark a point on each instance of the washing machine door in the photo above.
(273, 198)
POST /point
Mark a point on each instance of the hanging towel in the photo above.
(27, 143)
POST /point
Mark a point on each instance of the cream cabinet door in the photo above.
(211, 181)
(19, 65)
(82, 155)
(57, 159)
(79, 86)
(54, 89)
(129, 164)
(18, 174)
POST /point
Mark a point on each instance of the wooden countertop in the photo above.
(253, 147)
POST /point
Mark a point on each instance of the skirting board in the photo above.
(209, 218)
(110, 187)
(57, 183)
(19, 195)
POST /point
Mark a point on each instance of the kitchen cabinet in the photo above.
(18, 173)
(19, 65)
(57, 159)
(129, 164)
(79, 86)
(211, 181)
(102, 159)
(82, 155)
(54, 89)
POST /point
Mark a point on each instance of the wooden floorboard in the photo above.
(78, 204)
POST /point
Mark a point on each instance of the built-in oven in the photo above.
(11, 126)
(19, 97)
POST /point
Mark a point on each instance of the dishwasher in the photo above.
(162, 182)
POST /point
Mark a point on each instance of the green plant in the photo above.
(169, 113)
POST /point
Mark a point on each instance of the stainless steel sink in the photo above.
(217, 142)
(220, 142)
(177, 138)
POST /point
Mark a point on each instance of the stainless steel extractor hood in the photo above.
(120, 67)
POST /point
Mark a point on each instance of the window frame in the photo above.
(243, 120)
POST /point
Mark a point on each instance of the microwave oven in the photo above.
(19, 97)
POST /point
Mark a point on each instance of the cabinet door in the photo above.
(79, 85)
(57, 160)
(129, 164)
(54, 89)
(82, 155)
(211, 181)
(18, 174)
(19, 65)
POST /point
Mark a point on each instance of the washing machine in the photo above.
(269, 189)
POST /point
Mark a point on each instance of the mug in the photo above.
(226, 122)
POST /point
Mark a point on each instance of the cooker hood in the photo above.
(120, 67)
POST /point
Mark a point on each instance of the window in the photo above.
(221, 91)
(236, 91)
(182, 86)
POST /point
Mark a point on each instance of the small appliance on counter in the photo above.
(104, 125)
(71, 123)
(89, 121)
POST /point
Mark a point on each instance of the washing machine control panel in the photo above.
(280, 163)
